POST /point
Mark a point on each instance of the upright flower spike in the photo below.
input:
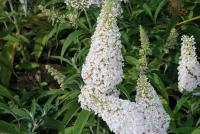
(104, 62)
(189, 67)
(144, 51)
(157, 120)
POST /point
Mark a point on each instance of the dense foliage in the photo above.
(43, 47)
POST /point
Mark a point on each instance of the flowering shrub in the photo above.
(103, 71)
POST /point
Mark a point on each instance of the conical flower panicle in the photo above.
(189, 67)
(104, 62)
(157, 120)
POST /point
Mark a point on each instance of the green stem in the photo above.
(186, 21)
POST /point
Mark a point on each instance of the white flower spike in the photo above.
(189, 67)
(104, 62)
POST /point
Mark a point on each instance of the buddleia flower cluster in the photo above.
(58, 76)
(103, 65)
(101, 73)
(189, 67)
(53, 15)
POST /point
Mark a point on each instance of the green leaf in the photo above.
(73, 108)
(11, 38)
(27, 66)
(49, 122)
(180, 103)
(52, 92)
(148, 11)
(133, 73)
(48, 104)
(2, 6)
(39, 46)
(5, 92)
(68, 41)
(81, 121)
(131, 60)
(10, 128)
(68, 130)
(181, 130)
(65, 60)
(162, 3)
(33, 107)
(196, 131)
(6, 64)
(124, 91)
(73, 94)
(5, 108)
(21, 113)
